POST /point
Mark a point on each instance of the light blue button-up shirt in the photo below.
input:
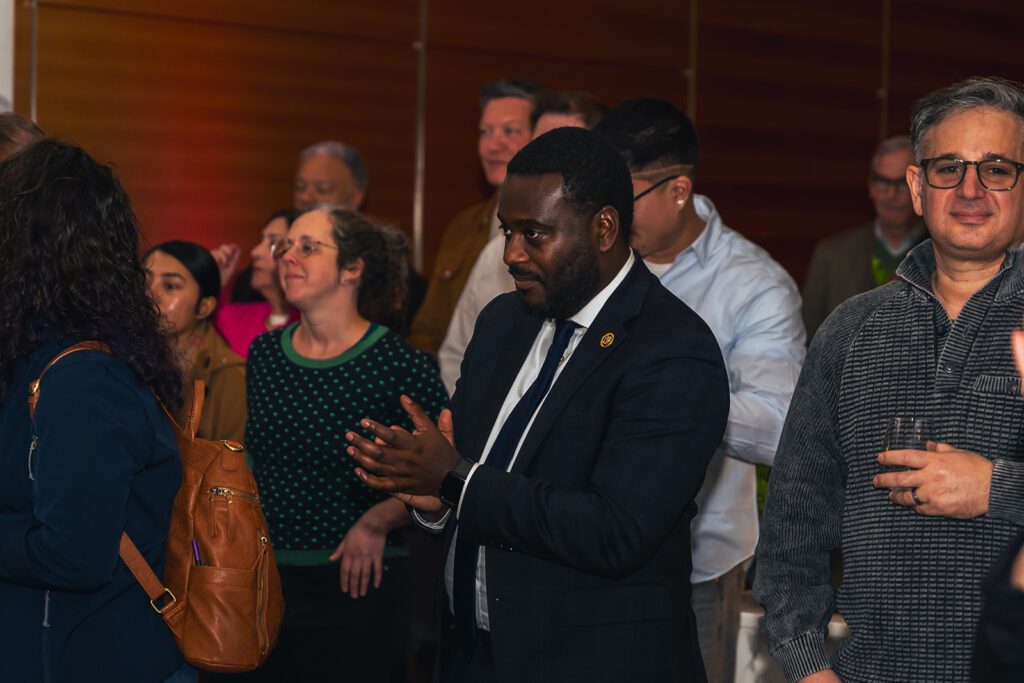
(753, 308)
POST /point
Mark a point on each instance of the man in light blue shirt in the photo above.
(753, 307)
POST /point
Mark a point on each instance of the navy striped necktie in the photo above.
(500, 455)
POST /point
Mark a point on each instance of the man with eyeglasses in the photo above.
(753, 307)
(919, 530)
(865, 257)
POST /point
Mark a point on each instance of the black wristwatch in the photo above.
(454, 482)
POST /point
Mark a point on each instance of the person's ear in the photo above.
(681, 189)
(351, 272)
(605, 227)
(207, 305)
(914, 179)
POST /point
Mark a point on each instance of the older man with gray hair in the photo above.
(330, 172)
(920, 525)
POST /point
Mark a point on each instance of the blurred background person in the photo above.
(556, 108)
(100, 457)
(16, 132)
(242, 321)
(185, 281)
(865, 257)
(308, 384)
(505, 128)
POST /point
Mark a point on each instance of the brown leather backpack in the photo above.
(221, 592)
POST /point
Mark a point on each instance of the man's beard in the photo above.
(570, 287)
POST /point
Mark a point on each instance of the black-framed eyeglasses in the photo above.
(996, 175)
(655, 186)
(307, 246)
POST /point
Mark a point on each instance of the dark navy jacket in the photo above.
(105, 461)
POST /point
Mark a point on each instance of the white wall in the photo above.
(6, 54)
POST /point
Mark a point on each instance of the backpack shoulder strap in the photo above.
(33, 386)
(144, 574)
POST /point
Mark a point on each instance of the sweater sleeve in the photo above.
(92, 434)
(1006, 496)
(803, 514)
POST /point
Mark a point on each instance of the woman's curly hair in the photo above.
(384, 251)
(70, 267)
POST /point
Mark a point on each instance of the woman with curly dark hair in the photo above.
(99, 457)
(308, 384)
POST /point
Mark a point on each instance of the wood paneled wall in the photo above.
(203, 106)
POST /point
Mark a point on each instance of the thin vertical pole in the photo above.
(691, 69)
(883, 90)
(33, 84)
(421, 138)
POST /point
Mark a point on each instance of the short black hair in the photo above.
(520, 88)
(593, 173)
(197, 260)
(651, 133)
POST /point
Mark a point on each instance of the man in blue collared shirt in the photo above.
(753, 307)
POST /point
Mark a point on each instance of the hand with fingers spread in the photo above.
(943, 481)
(399, 462)
(361, 552)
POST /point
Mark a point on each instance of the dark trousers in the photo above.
(329, 636)
(478, 667)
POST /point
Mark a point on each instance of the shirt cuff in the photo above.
(802, 656)
(433, 527)
(462, 496)
(1006, 494)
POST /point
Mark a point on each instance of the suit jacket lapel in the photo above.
(622, 306)
(501, 370)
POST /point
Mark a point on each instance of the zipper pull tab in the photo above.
(31, 452)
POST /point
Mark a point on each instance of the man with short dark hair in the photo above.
(919, 528)
(865, 257)
(556, 108)
(504, 128)
(589, 405)
(753, 307)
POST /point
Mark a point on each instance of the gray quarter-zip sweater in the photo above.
(912, 585)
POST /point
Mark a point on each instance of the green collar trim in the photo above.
(373, 334)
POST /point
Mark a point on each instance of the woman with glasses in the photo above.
(241, 322)
(308, 384)
(99, 457)
(185, 281)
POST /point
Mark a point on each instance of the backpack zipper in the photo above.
(46, 610)
(31, 452)
(232, 493)
(261, 592)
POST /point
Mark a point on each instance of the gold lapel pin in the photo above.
(607, 340)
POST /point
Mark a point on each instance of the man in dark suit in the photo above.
(589, 405)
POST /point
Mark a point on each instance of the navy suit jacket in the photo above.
(587, 538)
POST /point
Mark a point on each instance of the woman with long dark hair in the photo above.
(99, 457)
(185, 282)
(309, 384)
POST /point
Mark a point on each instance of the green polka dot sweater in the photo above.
(299, 411)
